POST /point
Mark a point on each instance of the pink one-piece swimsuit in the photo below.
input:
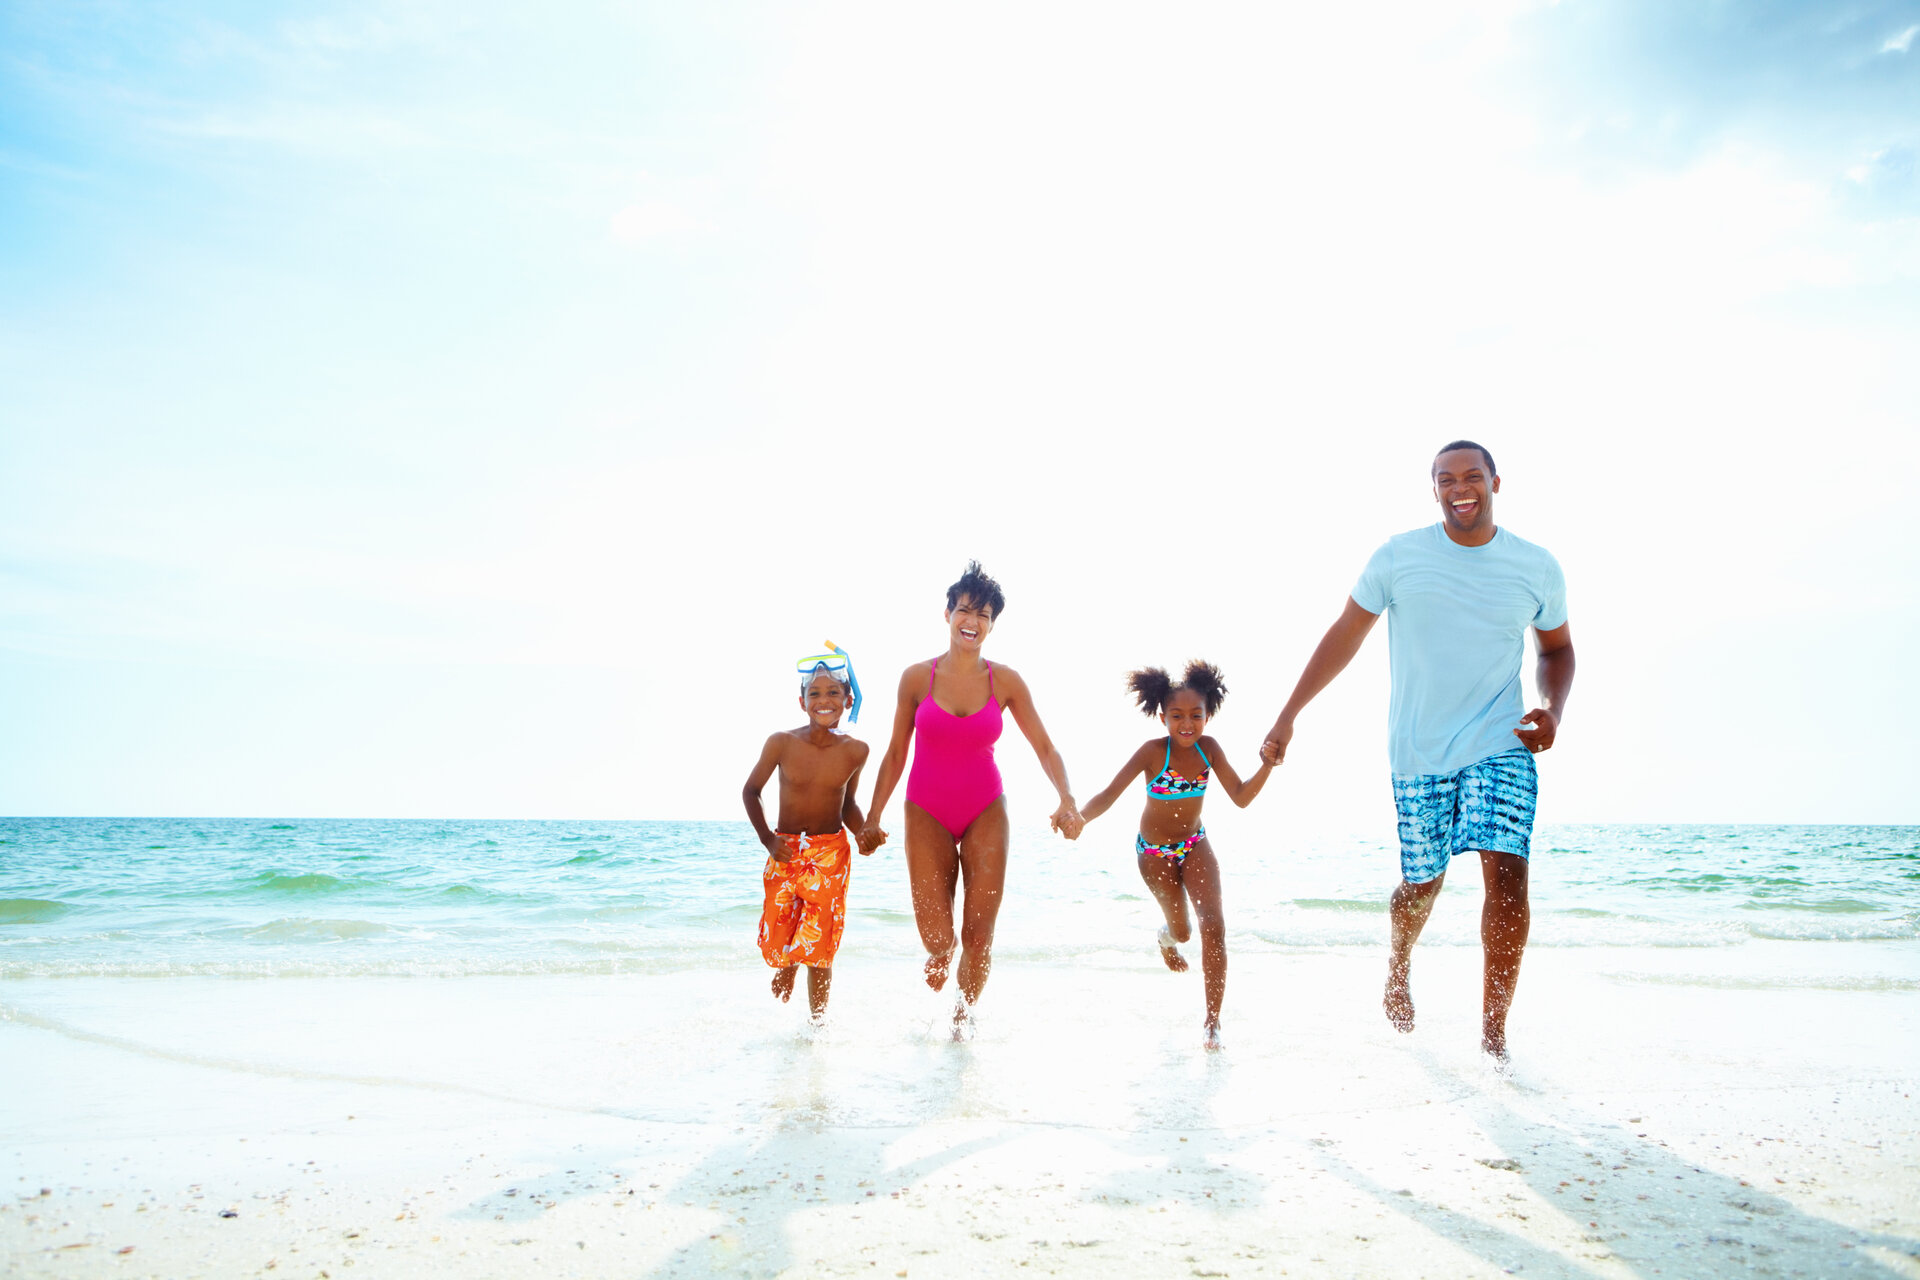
(954, 777)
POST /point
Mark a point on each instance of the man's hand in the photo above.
(1274, 749)
(1540, 736)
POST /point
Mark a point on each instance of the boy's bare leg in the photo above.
(1201, 874)
(1162, 879)
(1504, 922)
(783, 982)
(819, 982)
(1412, 904)
(933, 871)
(983, 870)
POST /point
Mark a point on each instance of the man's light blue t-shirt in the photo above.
(1457, 620)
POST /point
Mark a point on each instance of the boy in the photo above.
(808, 857)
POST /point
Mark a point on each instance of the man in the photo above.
(1461, 596)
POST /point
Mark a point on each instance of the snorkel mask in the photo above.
(838, 665)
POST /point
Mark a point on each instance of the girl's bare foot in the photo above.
(937, 969)
(1170, 952)
(1214, 1042)
(1398, 1002)
(783, 982)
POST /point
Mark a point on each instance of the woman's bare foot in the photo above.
(783, 982)
(1169, 952)
(1398, 1002)
(937, 969)
(1214, 1043)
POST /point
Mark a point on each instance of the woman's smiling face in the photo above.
(968, 623)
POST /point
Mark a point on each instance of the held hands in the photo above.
(1274, 749)
(1540, 736)
(871, 837)
(1067, 820)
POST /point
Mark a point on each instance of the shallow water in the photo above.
(247, 897)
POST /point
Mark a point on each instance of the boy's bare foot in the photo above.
(1214, 1043)
(1398, 1001)
(937, 969)
(1170, 952)
(962, 1021)
(783, 982)
(1494, 1045)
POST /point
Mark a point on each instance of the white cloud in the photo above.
(1902, 42)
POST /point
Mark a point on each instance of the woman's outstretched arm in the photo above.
(1066, 819)
(894, 762)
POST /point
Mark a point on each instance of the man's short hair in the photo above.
(1467, 444)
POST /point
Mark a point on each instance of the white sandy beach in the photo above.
(1673, 1112)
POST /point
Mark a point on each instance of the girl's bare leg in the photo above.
(1162, 877)
(1201, 876)
(983, 870)
(819, 982)
(933, 871)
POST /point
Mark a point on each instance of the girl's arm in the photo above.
(1241, 793)
(894, 763)
(750, 794)
(1132, 769)
(1066, 819)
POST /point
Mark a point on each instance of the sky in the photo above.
(468, 410)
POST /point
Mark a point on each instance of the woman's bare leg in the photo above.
(983, 870)
(1200, 873)
(1162, 877)
(933, 872)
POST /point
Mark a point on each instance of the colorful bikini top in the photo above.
(1168, 785)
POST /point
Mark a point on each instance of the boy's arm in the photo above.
(1128, 772)
(850, 804)
(750, 795)
(1238, 791)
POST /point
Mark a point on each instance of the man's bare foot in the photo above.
(1214, 1043)
(937, 969)
(783, 982)
(1398, 1001)
(1169, 952)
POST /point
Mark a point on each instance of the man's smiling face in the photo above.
(1464, 487)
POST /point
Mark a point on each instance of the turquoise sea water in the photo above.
(251, 897)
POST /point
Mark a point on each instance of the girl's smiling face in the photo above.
(968, 623)
(1185, 716)
(824, 700)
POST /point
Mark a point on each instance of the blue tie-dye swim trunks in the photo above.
(1486, 806)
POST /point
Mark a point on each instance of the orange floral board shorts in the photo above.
(806, 907)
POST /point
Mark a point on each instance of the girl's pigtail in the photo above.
(1205, 679)
(1150, 686)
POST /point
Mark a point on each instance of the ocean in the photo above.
(232, 897)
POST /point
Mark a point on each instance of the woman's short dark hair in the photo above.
(982, 590)
(1152, 686)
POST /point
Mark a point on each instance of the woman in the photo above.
(952, 707)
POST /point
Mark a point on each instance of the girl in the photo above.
(1175, 858)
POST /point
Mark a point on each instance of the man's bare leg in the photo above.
(819, 982)
(1412, 904)
(1504, 922)
(783, 983)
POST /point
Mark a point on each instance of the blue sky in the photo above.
(450, 410)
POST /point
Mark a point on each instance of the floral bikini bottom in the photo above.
(1174, 849)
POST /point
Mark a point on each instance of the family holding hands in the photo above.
(1461, 596)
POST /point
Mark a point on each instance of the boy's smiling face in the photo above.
(824, 700)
